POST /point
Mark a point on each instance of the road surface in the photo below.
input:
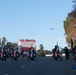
(41, 66)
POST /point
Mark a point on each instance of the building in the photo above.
(25, 45)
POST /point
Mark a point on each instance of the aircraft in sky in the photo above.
(51, 28)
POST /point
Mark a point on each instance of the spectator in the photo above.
(66, 53)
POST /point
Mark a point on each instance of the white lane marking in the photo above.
(23, 66)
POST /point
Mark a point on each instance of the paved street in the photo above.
(41, 66)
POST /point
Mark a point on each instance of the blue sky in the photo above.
(32, 19)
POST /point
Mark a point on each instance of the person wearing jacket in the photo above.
(66, 53)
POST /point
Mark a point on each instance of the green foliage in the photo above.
(41, 51)
(72, 14)
(48, 52)
(70, 20)
(74, 6)
(0, 41)
(3, 41)
(8, 45)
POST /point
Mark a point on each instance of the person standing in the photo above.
(66, 53)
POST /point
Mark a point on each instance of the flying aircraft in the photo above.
(51, 28)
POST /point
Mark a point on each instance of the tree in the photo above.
(41, 51)
(69, 24)
(4, 40)
(41, 47)
(11, 45)
(38, 53)
(0, 42)
(74, 1)
(48, 52)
